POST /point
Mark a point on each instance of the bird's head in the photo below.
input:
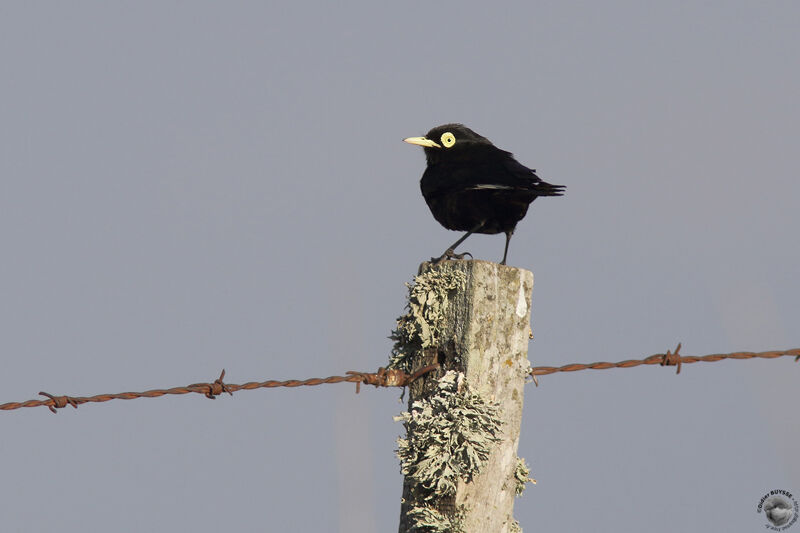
(450, 140)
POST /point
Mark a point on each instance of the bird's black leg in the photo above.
(508, 240)
(450, 253)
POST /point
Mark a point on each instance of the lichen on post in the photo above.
(462, 425)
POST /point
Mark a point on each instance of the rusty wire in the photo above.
(663, 359)
(381, 378)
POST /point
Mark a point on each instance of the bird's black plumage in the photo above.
(471, 185)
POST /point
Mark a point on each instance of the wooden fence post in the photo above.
(473, 318)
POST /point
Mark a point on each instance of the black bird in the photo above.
(471, 185)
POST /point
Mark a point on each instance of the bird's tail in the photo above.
(542, 188)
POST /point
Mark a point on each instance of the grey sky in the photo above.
(187, 186)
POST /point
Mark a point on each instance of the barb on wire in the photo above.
(664, 359)
(381, 378)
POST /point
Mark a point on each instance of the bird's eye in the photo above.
(448, 139)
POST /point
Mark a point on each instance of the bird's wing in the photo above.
(506, 173)
(496, 170)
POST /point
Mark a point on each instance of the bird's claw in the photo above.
(450, 254)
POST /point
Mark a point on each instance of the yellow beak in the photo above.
(422, 141)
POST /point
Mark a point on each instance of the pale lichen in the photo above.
(449, 436)
(426, 519)
(521, 479)
(420, 326)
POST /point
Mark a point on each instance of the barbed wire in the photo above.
(663, 359)
(382, 378)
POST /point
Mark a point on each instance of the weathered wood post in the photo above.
(459, 456)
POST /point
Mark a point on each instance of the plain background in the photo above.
(187, 186)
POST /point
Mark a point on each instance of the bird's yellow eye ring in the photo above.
(448, 139)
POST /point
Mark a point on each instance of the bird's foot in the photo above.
(450, 254)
